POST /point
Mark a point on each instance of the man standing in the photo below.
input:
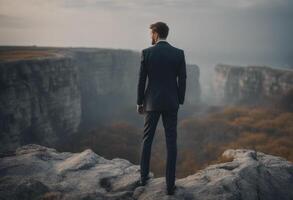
(162, 64)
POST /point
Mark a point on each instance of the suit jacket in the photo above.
(163, 66)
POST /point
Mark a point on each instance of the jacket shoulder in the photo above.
(147, 49)
(175, 49)
(178, 49)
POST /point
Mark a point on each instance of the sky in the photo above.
(244, 32)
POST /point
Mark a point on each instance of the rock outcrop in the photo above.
(251, 84)
(44, 99)
(38, 172)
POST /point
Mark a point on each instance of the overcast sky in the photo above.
(210, 31)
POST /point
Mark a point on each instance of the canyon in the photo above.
(47, 94)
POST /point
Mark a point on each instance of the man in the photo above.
(162, 64)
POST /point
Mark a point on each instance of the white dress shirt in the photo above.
(161, 39)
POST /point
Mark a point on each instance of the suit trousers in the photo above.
(169, 118)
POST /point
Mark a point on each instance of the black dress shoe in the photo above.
(170, 191)
(143, 181)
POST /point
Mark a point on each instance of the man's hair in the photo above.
(161, 28)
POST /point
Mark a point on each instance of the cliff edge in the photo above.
(38, 172)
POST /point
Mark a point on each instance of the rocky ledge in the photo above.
(38, 172)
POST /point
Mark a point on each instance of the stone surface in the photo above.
(38, 172)
(250, 84)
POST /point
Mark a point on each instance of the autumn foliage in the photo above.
(201, 140)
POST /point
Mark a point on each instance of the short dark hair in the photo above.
(161, 28)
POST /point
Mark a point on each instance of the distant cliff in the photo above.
(250, 84)
(193, 86)
(38, 172)
(53, 93)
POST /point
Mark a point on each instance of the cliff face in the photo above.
(45, 99)
(38, 172)
(250, 84)
(39, 101)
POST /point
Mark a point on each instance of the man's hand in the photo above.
(140, 109)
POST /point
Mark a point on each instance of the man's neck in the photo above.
(161, 39)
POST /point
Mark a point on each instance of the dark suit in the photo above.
(162, 64)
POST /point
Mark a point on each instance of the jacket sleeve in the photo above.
(182, 79)
(141, 79)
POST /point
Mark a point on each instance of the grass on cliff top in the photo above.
(12, 55)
